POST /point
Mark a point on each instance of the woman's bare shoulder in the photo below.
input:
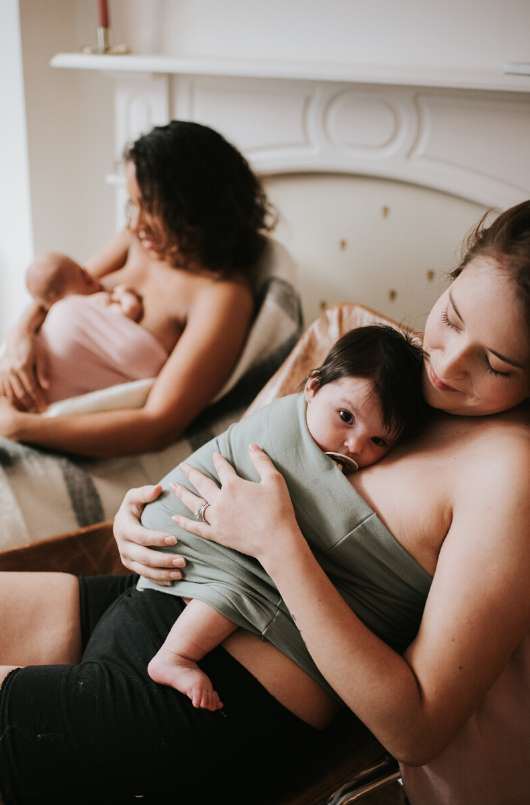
(474, 456)
(493, 462)
(225, 291)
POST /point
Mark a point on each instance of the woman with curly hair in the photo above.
(196, 222)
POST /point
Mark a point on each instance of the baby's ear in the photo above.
(310, 388)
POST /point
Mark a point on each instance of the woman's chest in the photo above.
(412, 497)
(166, 295)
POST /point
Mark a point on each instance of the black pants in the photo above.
(104, 732)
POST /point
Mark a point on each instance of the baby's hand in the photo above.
(129, 301)
(102, 298)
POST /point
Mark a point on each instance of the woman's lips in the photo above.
(437, 383)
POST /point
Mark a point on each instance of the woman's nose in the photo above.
(453, 358)
(452, 362)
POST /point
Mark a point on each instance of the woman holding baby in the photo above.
(74, 724)
(196, 227)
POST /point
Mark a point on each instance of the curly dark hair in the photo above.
(210, 207)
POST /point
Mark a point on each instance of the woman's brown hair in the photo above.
(506, 241)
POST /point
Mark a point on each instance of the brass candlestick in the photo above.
(104, 45)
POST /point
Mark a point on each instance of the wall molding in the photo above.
(461, 132)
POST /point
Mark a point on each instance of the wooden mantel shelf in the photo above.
(492, 80)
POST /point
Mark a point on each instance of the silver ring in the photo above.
(199, 514)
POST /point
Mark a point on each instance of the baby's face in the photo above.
(80, 282)
(345, 417)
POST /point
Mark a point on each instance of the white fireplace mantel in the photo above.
(458, 78)
(464, 132)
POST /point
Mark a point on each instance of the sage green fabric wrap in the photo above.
(378, 579)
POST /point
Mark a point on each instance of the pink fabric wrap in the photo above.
(92, 347)
(488, 761)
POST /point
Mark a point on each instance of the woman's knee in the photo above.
(40, 619)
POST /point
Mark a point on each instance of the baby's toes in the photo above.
(215, 701)
(196, 695)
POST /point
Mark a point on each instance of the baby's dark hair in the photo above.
(393, 362)
(212, 207)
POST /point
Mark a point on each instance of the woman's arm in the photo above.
(112, 257)
(477, 612)
(23, 368)
(196, 370)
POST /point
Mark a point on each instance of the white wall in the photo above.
(16, 246)
(465, 33)
(70, 131)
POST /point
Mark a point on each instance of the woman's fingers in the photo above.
(189, 499)
(135, 542)
(225, 471)
(193, 503)
(262, 463)
(154, 560)
(137, 498)
(29, 395)
(197, 527)
(205, 486)
(17, 394)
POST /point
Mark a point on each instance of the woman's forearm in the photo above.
(30, 320)
(375, 682)
(96, 435)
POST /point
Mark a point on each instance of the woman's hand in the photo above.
(24, 368)
(253, 518)
(134, 541)
(10, 418)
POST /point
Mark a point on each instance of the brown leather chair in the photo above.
(349, 762)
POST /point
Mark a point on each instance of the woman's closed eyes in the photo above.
(446, 320)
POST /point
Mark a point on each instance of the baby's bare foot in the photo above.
(185, 676)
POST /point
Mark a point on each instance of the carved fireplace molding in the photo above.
(462, 132)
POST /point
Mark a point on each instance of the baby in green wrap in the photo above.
(364, 398)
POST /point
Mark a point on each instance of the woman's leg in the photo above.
(103, 731)
(40, 620)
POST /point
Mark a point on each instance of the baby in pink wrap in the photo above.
(92, 337)
(54, 276)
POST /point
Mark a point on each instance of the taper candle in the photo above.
(103, 14)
